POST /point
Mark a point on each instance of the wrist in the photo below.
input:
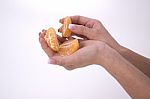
(121, 49)
(106, 55)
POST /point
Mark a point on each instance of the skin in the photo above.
(94, 30)
(130, 69)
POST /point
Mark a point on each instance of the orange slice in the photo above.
(66, 32)
(68, 47)
(51, 39)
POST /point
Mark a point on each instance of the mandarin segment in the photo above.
(68, 47)
(66, 32)
(51, 39)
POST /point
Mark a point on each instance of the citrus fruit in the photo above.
(51, 39)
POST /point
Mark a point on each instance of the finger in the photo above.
(78, 36)
(39, 36)
(77, 29)
(45, 47)
(80, 20)
(61, 39)
(67, 61)
(61, 20)
(82, 30)
(42, 34)
(60, 29)
(88, 22)
(83, 43)
(87, 42)
(39, 33)
(43, 30)
(72, 61)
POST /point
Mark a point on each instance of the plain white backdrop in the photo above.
(24, 72)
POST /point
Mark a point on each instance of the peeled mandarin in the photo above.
(51, 39)
(68, 47)
(66, 32)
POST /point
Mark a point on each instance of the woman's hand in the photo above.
(90, 52)
(94, 50)
(91, 29)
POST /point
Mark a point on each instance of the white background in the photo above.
(24, 72)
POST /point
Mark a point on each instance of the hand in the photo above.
(91, 29)
(93, 50)
(90, 52)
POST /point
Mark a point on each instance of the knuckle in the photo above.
(69, 67)
(93, 34)
(61, 62)
(97, 21)
(83, 29)
(78, 18)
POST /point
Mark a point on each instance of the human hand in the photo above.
(91, 29)
(90, 52)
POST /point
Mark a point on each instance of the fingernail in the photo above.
(60, 21)
(71, 26)
(43, 30)
(58, 30)
(39, 33)
(51, 61)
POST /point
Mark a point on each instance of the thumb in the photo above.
(67, 62)
(82, 30)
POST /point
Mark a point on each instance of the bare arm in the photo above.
(132, 80)
(141, 62)
(94, 30)
(120, 62)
